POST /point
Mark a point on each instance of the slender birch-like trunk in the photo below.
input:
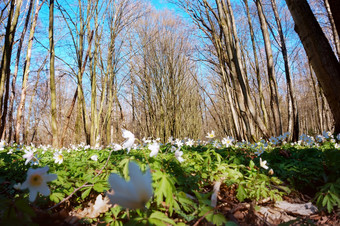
(5, 71)
(257, 67)
(21, 107)
(293, 120)
(274, 99)
(54, 124)
(15, 74)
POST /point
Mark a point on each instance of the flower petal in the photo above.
(118, 184)
(24, 185)
(141, 183)
(126, 201)
(44, 189)
(33, 194)
(50, 177)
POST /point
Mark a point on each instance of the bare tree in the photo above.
(54, 124)
(274, 98)
(21, 106)
(12, 22)
(320, 54)
(293, 119)
(14, 78)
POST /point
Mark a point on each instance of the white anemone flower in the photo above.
(178, 155)
(116, 147)
(327, 134)
(130, 140)
(190, 142)
(179, 143)
(133, 194)
(58, 157)
(216, 144)
(146, 140)
(227, 141)
(36, 181)
(29, 155)
(319, 138)
(263, 164)
(2, 145)
(94, 157)
(274, 140)
(17, 186)
(211, 135)
(154, 148)
(171, 140)
(173, 148)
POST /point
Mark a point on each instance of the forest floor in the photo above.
(210, 184)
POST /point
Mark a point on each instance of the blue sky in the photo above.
(161, 4)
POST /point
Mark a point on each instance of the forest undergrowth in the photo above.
(182, 182)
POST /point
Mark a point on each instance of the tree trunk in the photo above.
(27, 124)
(21, 106)
(274, 99)
(68, 117)
(320, 54)
(6, 60)
(316, 95)
(335, 8)
(293, 123)
(14, 79)
(334, 30)
(54, 115)
(93, 68)
(257, 67)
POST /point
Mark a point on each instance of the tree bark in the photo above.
(335, 8)
(274, 99)
(320, 54)
(54, 124)
(293, 120)
(21, 106)
(6, 60)
(27, 123)
(334, 30)
(316, 95)
(16, 68)
(257, 67)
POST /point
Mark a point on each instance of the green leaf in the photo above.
(116, 210)
(153, 221)
(251, 164)
(165, 188)
(241, 193)
(230, 223)
(98, 187)
(284, 188)
(186, 203)
(335, 198)
(86, 193)
(329, 206)
(162, 217)
(181, 224)
(218, 219)
(325, 200)
(56, 197)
